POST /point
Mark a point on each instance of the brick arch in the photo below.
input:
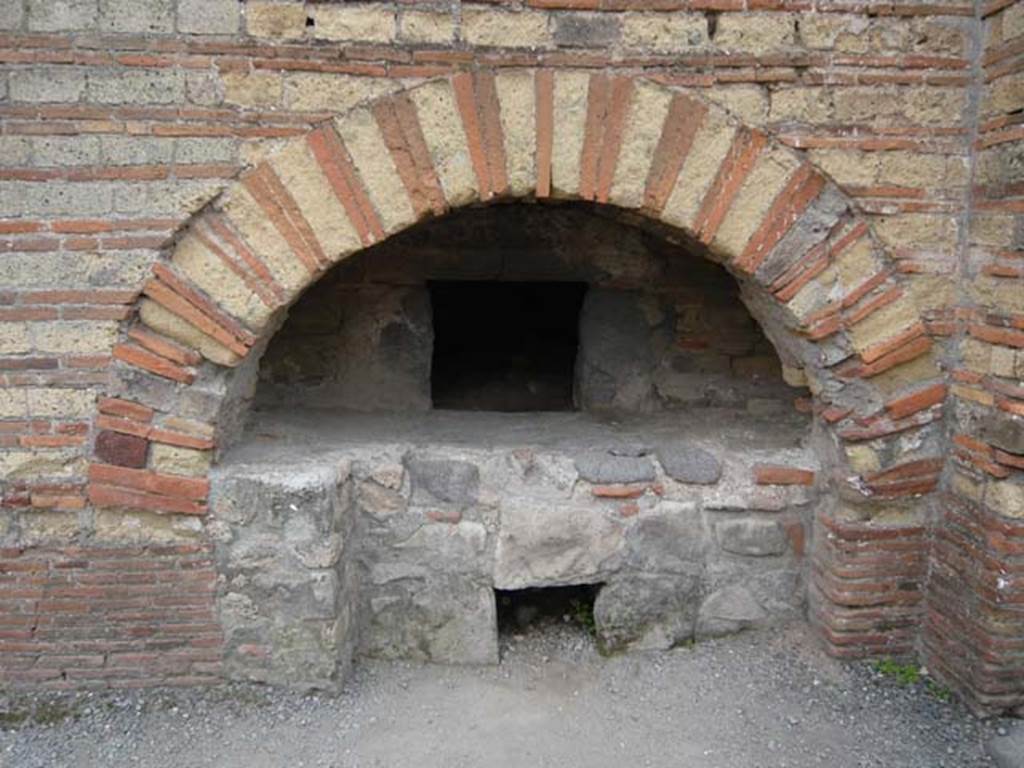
(823, 288)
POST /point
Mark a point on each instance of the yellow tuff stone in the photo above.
(208, 271)
(710, 146)
(376, 169)
(269, 19)
(519, 126)
(169, 324)
(570, 118)
(301, 175)
(644, 122)
(446, 141)
(372, 23)
(253, 89)
(505, 29)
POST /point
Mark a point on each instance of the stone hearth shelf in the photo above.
(387, 534)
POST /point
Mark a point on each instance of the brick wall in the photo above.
(979, 542)
(120, 120)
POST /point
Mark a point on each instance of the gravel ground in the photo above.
(769, 699)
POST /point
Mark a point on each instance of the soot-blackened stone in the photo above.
(450, 480)
(604, 467)
(690, 464)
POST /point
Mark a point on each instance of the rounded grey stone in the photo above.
(690, 464)
(603, 467)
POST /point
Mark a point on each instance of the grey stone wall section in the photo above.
(394, 550)
(288, 580)
(365, 349)
(615, 361)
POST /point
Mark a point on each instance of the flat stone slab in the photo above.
(604, 467)
(1008, 751)
(690, 464)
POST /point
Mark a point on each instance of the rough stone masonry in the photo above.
(175, 173)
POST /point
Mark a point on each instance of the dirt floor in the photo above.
(769, 699)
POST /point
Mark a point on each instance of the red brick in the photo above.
(127, 409)
(544, 85)
(283, 212)
(162, 294)
(1004, 336)
(164, 347)
(465, 97)
(916, 401)
(161, 366)
(403, 135)
(493, 134)
(770, 474)
(334, 160)
(802, 188)
(685, 117)
(598, 88)
(195, 489)
(615, 124)
(111, 496)
(731, 174)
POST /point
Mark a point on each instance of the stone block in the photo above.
(426, 27)
(459, 548)
(286, 21)
(670, 539)
(586, 30)
(442, 480)
(208, 17)
(60, 403)
(605, 466)
(615, 359)
(16, 150)
(175, 460)
(748, 102)
(12, 14)
(1007, 750)
(51, 84)
(137, 87)
(1006, 497)
(540, 475)
(253, 89)
(751, 536)
(204, 87)
(136, 16)
(66, 150)
(336, 93)
(441, 620)
(646, 612)
(728, 610)
(689, 464)
(506, 29)
(61, 15)
(553, 545)
(755, 33)
(121, 526)
(664, 32)
(15, 338)
(371, 23)
(75, 337)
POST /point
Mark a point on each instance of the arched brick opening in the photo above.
(822, 287)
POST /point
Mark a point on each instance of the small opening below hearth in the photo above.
(504, 346)
(523, 610)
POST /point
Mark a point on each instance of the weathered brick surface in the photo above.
(120, 120)
(62, 603)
